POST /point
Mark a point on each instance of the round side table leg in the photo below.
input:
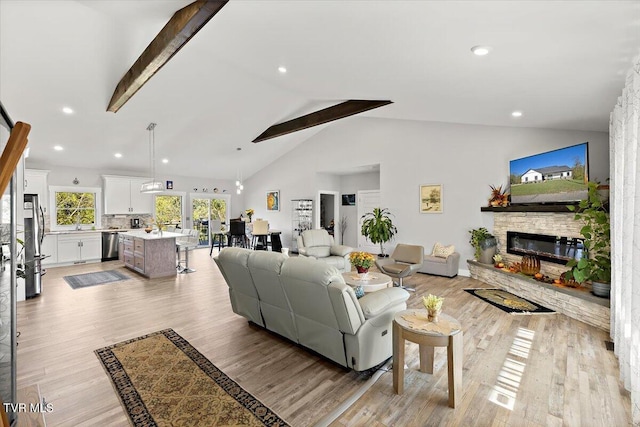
(426, 358)
(398, 359)
(455, 351)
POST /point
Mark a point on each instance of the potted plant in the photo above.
(595, 265)
(362, 261)
(378, 227)
(484, 244)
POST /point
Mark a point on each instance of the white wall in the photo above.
(465, 159)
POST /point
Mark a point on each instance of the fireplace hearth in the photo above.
(556, 249)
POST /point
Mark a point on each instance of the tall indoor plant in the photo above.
(596, 264)
(378, 227)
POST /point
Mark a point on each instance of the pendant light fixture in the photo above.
(239, 186)
(152, 186)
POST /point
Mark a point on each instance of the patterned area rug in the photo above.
(509, 302)
(93, 279)
(162, 380)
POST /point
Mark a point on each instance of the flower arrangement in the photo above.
(364, 260)
(499, 197)
(249, 213)
(432, 302)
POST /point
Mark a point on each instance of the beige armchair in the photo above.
(405, 261)
(320, 245)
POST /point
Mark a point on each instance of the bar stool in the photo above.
(188, 242)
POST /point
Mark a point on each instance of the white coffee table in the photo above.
(374, 282)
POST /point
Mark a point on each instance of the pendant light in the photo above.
(239, 186)
(152, 186)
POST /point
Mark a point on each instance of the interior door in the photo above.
(367, 200)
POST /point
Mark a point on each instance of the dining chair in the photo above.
(260, 235)
(216, 232)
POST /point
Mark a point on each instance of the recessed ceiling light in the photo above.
(480, 50)
(282, 69)
(165, 161)
(58, 147)
(118, 155)
(67, 110)
(517, 114)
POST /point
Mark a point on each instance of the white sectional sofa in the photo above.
(307, 301)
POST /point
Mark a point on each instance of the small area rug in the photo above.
(161, 379)
(509, 302)
(93, 279)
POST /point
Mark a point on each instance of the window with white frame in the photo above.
(75, 207)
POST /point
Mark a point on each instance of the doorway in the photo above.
(205, 208)
(328, 211)
(367, 201)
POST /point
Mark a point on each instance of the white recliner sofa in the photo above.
(307, 301)
(319, 244)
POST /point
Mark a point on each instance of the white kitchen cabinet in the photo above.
(79, 247)
(122, 196)
(50, 249)
(35, 182)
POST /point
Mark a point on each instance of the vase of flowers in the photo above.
(362, 261)
(249, 213)
(433, 304)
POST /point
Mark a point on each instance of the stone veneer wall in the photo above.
(549, 223)
(587, 308)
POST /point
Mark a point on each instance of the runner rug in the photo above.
(93, 279)
(509, 302)
(162, 380)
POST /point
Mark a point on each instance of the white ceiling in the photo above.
(562, 63)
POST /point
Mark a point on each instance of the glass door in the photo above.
(203, 211)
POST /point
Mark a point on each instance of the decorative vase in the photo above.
(359, 290)
(488, 249)
(362, 270)
(601, 289)
(432, 315)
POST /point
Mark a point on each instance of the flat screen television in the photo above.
(558, 176)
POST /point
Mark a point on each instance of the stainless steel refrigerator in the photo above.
(33, 236)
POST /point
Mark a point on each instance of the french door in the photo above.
(207, 207)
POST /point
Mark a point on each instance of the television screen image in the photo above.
(558, 176)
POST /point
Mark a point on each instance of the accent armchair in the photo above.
(405, 261)
(320, 245)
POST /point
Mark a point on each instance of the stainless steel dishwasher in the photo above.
(109, 245)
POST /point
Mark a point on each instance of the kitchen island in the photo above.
(150, 254)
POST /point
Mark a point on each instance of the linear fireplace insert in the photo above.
(555, 249)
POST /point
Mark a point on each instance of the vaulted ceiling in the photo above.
(562, 63)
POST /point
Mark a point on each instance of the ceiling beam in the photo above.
(182, 26)
(326, 115)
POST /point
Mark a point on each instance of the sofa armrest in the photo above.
(375, 303)
(303, 252)
(341, 250)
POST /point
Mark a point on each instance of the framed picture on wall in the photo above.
(348, 200)
(431, 198)
(273, 200)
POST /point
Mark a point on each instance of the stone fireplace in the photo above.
(560, 239)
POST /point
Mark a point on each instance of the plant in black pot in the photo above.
(484, 244)
(378, 227)
(595, 265)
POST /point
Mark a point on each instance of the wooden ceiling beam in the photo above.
(182, 26)
(326, 115)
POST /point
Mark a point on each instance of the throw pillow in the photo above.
(442, 251)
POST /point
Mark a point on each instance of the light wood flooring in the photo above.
(539, 370)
